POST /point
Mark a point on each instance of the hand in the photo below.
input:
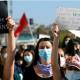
(69, 59)
(10, 23)
(55, 30)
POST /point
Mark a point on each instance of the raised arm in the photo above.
(54, 57)
(9, 64)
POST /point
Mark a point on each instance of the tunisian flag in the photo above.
(22, 24)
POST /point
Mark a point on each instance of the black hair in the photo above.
(70, 47)
(37, 46)
(21, 47)
(29, 49)
(63, 43)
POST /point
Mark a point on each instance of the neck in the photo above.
(44, 71)
(42, 61)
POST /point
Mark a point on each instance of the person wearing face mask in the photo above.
(65, 42)
(28, 63)
(42, 67)
(43, 52)
(23, 65)
(45, 64)
(73, 61)
(62, 58)
(62, 62)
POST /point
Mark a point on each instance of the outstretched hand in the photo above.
(10, 23)
(54, 58)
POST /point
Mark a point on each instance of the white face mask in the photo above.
(62, 62)
(66, 42)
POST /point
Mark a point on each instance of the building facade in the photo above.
(68, 18)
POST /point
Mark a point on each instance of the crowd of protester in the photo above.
(44, 61)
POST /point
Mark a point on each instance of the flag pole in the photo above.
(32, 34)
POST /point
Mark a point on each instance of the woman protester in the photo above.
(73, 60)
(45, 65)
(28, 63)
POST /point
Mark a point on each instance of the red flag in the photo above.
(22, 24)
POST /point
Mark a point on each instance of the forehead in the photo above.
(60, 51)
(45, 43)
(27, 53)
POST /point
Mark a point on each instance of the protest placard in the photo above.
(3, 15)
